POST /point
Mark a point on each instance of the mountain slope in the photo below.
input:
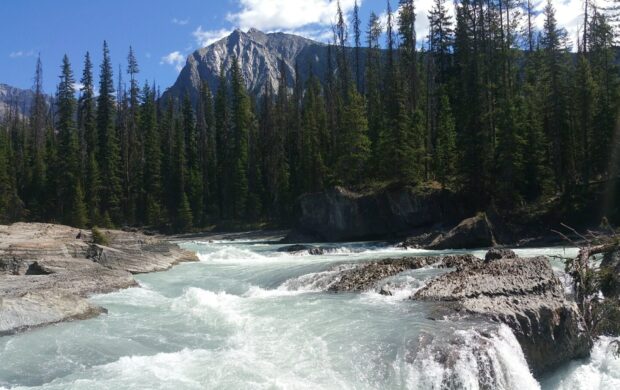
(15, 99)
(259, 56)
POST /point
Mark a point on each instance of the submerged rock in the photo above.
(312, 250)
(475, 232)
(48, 271)
(525, 295)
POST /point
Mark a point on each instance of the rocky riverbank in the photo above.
(47, 271)
(523, 294)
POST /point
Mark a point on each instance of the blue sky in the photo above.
(162, 32)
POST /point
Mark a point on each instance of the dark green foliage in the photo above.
(241, 124)
(355, 152)
(194, 168)
(500, 115)
(184, 216)
(11, 207)
(152, 156)
(109, 149)
(208, 154)
(314, 137)
(69, 191)
(445, 151)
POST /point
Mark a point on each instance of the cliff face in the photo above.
(342, 215)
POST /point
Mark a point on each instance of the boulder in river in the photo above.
(524, 294)
(475, 232)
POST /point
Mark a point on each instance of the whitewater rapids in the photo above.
(249, 317)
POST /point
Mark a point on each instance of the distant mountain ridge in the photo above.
(259, 56)
(15, 99)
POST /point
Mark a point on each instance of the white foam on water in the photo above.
(316, 281)
(198, 369)
(259, 292)
(210, 306)
(600, 372)
(401, 289)
(137, 297)
(231, 254)
(553, 252)
(474, 361)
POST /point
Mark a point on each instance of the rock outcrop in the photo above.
(496, 254)
(342, 215)
(475, 232)
(523, 294)
(46, 272)
(366, 276)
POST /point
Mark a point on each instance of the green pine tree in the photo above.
(70, 194)
(242, 120)
(445, 151)
(353, 160)
(152, 154)
(109, 148)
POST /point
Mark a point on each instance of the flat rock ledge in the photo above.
(523, 294)
(48, 271)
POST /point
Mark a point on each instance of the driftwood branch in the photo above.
(564, 237)
(579, 267)
(575, 232)
(589, 251)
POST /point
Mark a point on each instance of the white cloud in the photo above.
(78, 86)
(180, 22)
(317, 34)
(314, 18)
(175, 58)
(568, 13)
(288, 15)
(21, 53)
(422, 8)
(205, 38)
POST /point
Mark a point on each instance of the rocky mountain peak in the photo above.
(15, 100)
(259, 55)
